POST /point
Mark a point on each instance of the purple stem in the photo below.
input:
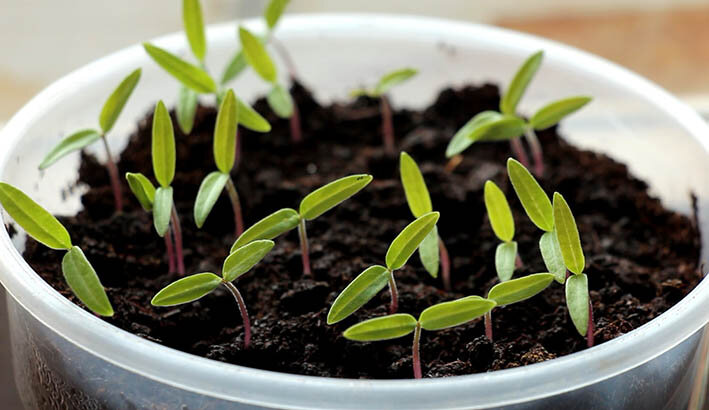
(518, 262)
(590, 329)
(445, 265)
(387, 125)
(394, 306)
(296, 131)
(453, 163)
(177, 233)
(519, 152)
(488, 325)
(304, 249)
(244, 313)
(170, 251)
(113, 175)
(416, 352)
(536, 149)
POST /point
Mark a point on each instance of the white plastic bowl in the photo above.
(89, 363)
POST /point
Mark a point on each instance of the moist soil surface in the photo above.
(640, 258)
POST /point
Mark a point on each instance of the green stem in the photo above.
(394, 306)
(236, 206)
(177, 233)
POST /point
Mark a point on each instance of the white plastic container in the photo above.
(65, 357)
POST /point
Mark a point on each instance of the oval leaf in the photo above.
(429, 252)
(249, 118)
(505, 257)
(467, 135)
(499, 213)
(509, 101)
(236, 66)
(163, 146)
(454, 313)
(243, 259)
(504, 128)
(187, 289)
(360, 291)
(186, 109)
(552, 113)
(393, 78)
(269, 227)
(551, 254)
(162, 209)
(117, 100)
(225, 133)
(209, 191)
(186, 73)
(533, 198)
(409, 239)
(257, 56)
(280, 101)
(273, 12)
(194, 27)
(35, 220)
(382, 328)
(414, 186)
(568, 235)
(73, 142)
(84, 282)
(327, 197)
(577, 301)
(517, 290)
(142, 188)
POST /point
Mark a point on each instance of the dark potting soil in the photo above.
(641, 258)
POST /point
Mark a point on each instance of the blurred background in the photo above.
(41, 40)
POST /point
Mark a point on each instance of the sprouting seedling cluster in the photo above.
(109, 114)
(373, 279)
(432, 249)
(508, 125)
(380, 90)
(193, 287)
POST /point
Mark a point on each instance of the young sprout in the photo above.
(508, 125)
(47, 230)
(503, 224)
(578, 300)
(380, 91)
(436, 317)
(432, 249)
(224, 156)
(193, 287)
(312, 206)
(513, 291)
(373, 279)
(109, 114)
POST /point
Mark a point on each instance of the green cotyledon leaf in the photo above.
(360, 291)
(404, 245)
(187, 289)
(327, 197)
(382, 328)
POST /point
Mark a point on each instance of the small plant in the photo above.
(224, 156)
(578, 300)
(47, 230)
(109, 114)
(437, 317)
(432, 249)
(312, 206)
(373, 279)
(193, 287)
(503, 224)
(507, 125)
(380, 91)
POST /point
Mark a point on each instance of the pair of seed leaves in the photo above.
(560, 244)
(193, 287)
(47, 230)
(112, 108)
(506, 124)
(386, 82)
(449, 314)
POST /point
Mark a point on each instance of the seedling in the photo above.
(513, 291)
(373, 279)
(193, 287)
(508, 125)
(432, 249)
(109, 114)
(503, 224)
(437, 317)
(578, 300)
(380, 91)
(224, 156)
(312, 206)
(47, 230)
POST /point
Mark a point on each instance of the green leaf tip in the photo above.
(360, 291)
(568, 235)
(517, 290)
(187, 289)
(225, 133)
(243, 259)
(186, 73)
(194, 27)
(113, 106)
(327, 197)
(280, 101)
(552, 113)
(273, 12)
(257, 56)
(485, 126)
(162, 210)
(209, 191)
(393, 78)
(505, 260)
(382, 328)
(249, 118)
(415, 189)
(163, 146)
(499, 212)
(534, 200)
(186, 108)
(84, 282)
(454, 313)
(269, 227)
(404, 245)
(577, 301)
(520, 82)
(73, 142)
(142, 188)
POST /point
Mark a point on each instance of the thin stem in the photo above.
(519, 152)
(244, 313)
(488, 325)
(453, 163)
(170, 251)
(590, 329)
(518, 262)
(536, 149)
(236, 206)
(113, 175)
(177, 232)
(445, 265)
(304, 249)
(387, 125)
(296, 132)
(394, 305)
(285, 55)
(416, 352)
